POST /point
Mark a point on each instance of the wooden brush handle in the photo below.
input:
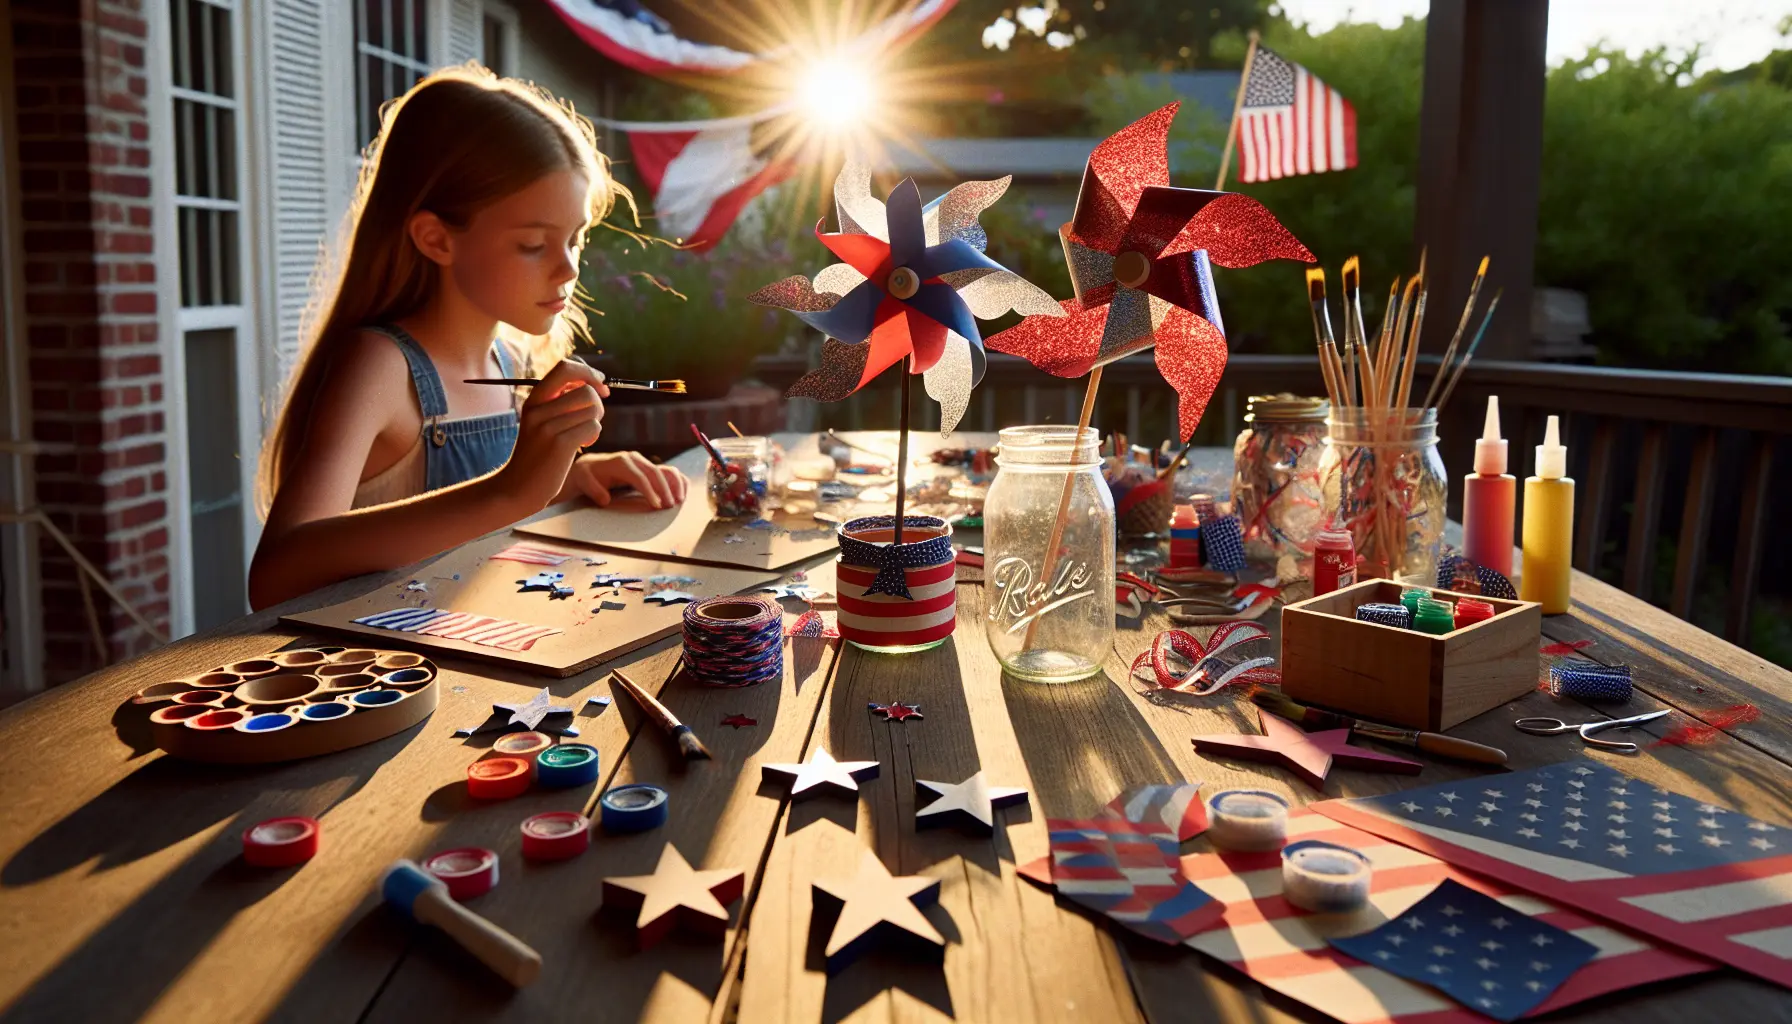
(1461, 750)
(496, 948)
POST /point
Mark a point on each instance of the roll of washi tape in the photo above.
(1324, 877)
(467, 872)
(1385, 614)
(267, 721)
(734, 641)
(896, 597)
(556, 835)
(1222, 542)
(325, 712)
(497, 778)
(281, 842)
(522, 744)
(567, 765)
(634, 808)
(1248, 820)
(1588, 681)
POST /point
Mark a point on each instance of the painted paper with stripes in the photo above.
(882, 620)
(1710, 880)
(1286, 948)
(531, 554)
(1291, 122)
(484, 630)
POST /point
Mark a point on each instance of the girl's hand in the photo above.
(597, 475)
(562, 414)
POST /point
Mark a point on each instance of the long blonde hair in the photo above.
(459, 140)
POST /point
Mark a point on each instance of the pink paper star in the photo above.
(1308, 755)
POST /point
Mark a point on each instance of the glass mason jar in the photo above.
(1385, 483)
(1275, 475)
(1050, 600)
(739, 492)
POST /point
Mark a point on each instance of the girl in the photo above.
(472, 208)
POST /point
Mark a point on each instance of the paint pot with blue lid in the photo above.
(326, 712)
(270, 721)
(375, 698)
(634, 808)
(566, 765)
(407, 678)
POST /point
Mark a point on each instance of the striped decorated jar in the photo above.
(896, 598)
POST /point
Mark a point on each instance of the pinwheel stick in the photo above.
(902, 449)
(1051, 549)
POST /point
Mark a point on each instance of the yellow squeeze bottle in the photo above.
(1548, 526)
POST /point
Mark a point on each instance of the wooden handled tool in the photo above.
(1434, 743)
(424, 898)
(689, 745)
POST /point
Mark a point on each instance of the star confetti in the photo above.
(969, 804)
(877, 908)
(665, 597)
(608, 606)
(417, 586)
(612, 581)
(897, 711)
(671, 579)
(792, 591)
(821, 774)
(1475, 949)
(1308, 755)
(548, 581)
(811, 626)
(539, 714)
(739, 721)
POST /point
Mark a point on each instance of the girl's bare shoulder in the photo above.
(369, 365)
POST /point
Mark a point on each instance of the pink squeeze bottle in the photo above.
(1489, 495)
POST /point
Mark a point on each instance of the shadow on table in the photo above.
(915, 967)
(1083, 743)
(118, 972)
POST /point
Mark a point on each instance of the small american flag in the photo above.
(929, 613)
(1287, 949)
(531, 554)
(1703, 877)
(1292, 123)
(483, 630)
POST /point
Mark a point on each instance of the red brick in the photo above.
(134, 302)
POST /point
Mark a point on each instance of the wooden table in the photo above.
(122, 895)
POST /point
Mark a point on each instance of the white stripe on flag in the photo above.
(1302, 116)
(897, 623)
(1273, 128)
(1318, 108)
(1772, 941)
(1287, 122)
(1708, 901)
(1334, 104)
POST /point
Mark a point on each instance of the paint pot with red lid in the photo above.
(281, 842)
(1469, 611)
(467, 872)
(556, 835)
(497, 778)
(1334, 561)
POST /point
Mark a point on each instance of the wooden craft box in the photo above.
(1402, 676)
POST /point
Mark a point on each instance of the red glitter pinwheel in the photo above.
(1140, 255)
(913, 283)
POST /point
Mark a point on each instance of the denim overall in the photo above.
(455, 451)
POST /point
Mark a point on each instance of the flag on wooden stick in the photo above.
(1289, 122)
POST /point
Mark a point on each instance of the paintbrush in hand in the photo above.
(664, 387)
(1434, 743)
(688, 744)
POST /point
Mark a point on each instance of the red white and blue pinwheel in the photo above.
(913, 282)
(1141, 255)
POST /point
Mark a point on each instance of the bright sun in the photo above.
(835, 94)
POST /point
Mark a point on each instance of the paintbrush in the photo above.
(664, 387)
(1435, 743)
(1322, 332)
(688, 744)
(1456, 375)
(710, 447)
(1353, 326)
(1468, 309)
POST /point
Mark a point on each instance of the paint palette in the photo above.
(291, 704)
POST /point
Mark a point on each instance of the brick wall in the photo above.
(97, 387)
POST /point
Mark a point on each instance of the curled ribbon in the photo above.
(1188, 646)
(892, 561)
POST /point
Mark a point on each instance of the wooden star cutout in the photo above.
(897, 711)
(527, 716)
(675, 895)
(821, 774)
(1308, 755)
(970, 804)
(739, 721)
(878, 908)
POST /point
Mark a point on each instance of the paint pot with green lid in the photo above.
(1434, 617)
(1411, 596)
(567, 765)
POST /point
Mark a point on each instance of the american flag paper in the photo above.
(485, 630)
(1703, 877)
(531, 554)
(1285, 948)
(1474, 949)
(1292, 123)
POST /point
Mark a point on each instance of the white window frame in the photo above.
(177, 321)
(506, 14)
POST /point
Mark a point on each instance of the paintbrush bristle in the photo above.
(690, 746)
(1316, 284)
(1352, 274)
(670, 387)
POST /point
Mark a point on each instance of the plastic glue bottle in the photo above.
(1548, 525)
(1489, 499)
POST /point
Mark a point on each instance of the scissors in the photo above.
(1552, 726)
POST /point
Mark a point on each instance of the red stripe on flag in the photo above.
(1349, 133)
(896, 608)
(916, 636)
(1649, 885)
(729, 204)
(916, 577)
(654, 150)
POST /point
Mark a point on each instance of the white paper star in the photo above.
(821, 774)
(1489, 985)
(1666, 833)
(1410, 807)
(1540, 940)
(1534, 985)
(1453, 930)
(1528, 816)
(1492, 946)
(1483, 820)
(1572, 826)
(1500, 924)
(1489, 805)
(1485, 964)
(1437, 968)
(1619, 818)
(1668, 848)
(970, 804)
(1618, 805)
(1528, 833)
(1442, 951)
(1577, 784)
(1492, 793)
(1415, 923)
(1760, 826)
(1442, 812)
(1451, 797)
(1760, 843)
(1575, 795)
(1573, 812)
(1535, 787)
(1712, 840)
(1396, 940)
(1709, 823)
(1571, 843)
(1664, 816)
(1533, 802)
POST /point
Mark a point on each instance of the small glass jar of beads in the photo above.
(738, 486)
(1275, 475)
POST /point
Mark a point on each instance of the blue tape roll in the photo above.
(566, 765)
(1386, 614)
(1587, 681)
(634, 808)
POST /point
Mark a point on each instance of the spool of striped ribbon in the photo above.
(734, 641)
(869, 615)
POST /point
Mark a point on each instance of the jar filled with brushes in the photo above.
(1384, 482)
(1275, 476)
(1048, 542)
(738, 484)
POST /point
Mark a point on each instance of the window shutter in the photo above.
(466, 36)
(305, 161)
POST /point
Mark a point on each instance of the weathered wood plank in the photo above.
(1695, 520)
(1645, 513)
(1751, 530)
(1595, 504)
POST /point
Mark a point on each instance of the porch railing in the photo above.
(1675, 470)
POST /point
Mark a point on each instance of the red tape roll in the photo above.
(497, 778)
(468, 872)
(556, 835)
(281, 842)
